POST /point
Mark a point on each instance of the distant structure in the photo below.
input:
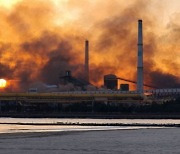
(86, 66)
(68, 78)
(140, 59)
(124, 87)
(110, 81)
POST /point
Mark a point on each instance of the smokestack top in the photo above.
(86, 60)
(140, 20)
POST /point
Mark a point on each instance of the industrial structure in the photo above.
(86, 66)
(79, 92)
(78, 84)
(124, 87)
(111, 82)
(72, 97)
(140, 58)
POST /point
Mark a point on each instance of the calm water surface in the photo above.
(82, 140)
(14, 127)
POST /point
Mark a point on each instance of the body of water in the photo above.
(14, 125)
(28, 136)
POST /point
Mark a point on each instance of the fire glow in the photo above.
(3, 83)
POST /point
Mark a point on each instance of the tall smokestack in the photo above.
(140, 58)
(86, 60)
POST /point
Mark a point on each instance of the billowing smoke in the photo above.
(164, 80)
(40, 40)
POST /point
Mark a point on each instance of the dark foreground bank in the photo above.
(154, 110)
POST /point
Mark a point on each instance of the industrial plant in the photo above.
(70, 83)
(78, 94)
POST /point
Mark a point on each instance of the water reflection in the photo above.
(15, 127)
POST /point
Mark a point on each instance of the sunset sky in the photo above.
(40, 39)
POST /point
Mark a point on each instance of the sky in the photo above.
(40, 39)
(170, 7)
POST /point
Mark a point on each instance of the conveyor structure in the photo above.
(72, 97)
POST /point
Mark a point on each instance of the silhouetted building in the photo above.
(124, 87)
(110, 81)
(68, 78)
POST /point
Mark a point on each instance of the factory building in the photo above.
(111, 82)
(69, 79)
(124, 87)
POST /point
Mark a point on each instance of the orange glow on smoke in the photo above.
(41, 39)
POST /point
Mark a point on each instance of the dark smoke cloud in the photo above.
(118, 40)
(5, 70)
(39, 50)
(164, 80)
(59, 62)
(59, 54)
(119, 36)
(99, 71)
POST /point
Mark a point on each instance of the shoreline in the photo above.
(93, 124)
(94, 115)
(61, 133)
(41, 134)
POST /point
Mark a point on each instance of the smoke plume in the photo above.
(40, 40)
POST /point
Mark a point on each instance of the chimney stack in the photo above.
(86, 61)
(140, 59)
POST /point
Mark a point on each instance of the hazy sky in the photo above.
(169, 6)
